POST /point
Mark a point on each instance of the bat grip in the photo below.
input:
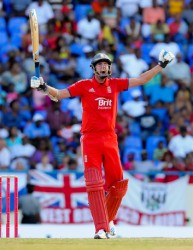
(37, 69)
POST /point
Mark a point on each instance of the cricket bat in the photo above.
(35, 40)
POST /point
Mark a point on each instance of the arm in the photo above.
(145, 77)
(164, 58)
(53, 93)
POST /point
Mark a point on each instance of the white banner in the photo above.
(154, 203)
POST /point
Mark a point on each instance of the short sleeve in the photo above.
(77, 89)
(122, 84)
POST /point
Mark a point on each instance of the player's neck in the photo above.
(100, 80)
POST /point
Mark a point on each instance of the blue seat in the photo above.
(3, 38)
(16, 40)
(134, 129)
(127, 95)
(145, 50)
(136, 152)
(190, 54)
(161, 113)
(152, 143)
(76, 49)
(3, 26)
(133, 142)
(64, 104)
(123, 23)
(17, 25)
(81, 11)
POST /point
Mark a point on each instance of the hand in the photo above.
(38, 83)
(165, 58)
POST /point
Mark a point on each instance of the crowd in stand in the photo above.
(154, 122)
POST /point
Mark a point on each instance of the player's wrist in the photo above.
(43, 87)
(162, 64)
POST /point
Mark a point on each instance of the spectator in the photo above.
(72, 165)
(187, 14)
(66, 24)
(168, 45)
(159, 151)
(159, 31)
(134, 108)
(64, 163)
(18, 7)
(133, 28)
(22, 153)
(38, 128)
(30, 207)
(14, 116)
(56, 117)
(16, 77)
(189, 161)
(144, 166)
(127, 8)
(175, 7)
(180, 70)
(62, 64)
(5, 156)
(83, 63)
(44, 164)
(88, 29)
(182, 100)
(60, 151)
(148, 123)
(110, 15)
(44, 12)
(181, 144)
(106, 35)
(178, 29)
(153, 14)
(14, 137)
(132, 64)
(130, 162)
(43, 149)
(163, 92)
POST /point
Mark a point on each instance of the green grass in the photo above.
(91, 244)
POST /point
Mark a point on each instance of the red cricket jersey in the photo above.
(99, 102)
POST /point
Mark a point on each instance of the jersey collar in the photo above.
(106, 83)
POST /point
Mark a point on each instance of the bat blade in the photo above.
(35, 40)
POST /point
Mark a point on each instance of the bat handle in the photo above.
(37, 69)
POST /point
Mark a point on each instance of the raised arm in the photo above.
(53, 93)
(164, 58)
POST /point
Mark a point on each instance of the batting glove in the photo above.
(38, 83)
(165, 58)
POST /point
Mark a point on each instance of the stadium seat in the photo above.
(152, 143)
(133, 142)
(134, 129)
(123, 23)
(190, 54)
(76, 49)
(3, 26)
(81, 11)
(136, 152)
(17, 25)
(16, 39)
(127, 95)
(145, 50)
(64, 104)
(161, 113)
(4, 38)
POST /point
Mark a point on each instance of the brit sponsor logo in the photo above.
(104, 103)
